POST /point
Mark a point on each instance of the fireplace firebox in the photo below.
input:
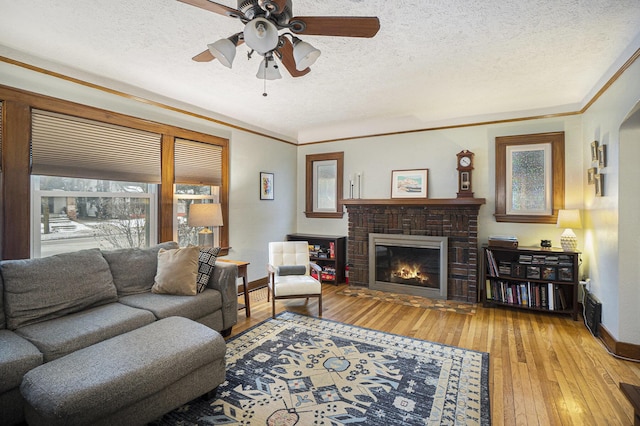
(408, 264)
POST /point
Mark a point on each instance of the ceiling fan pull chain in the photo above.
(264, 92)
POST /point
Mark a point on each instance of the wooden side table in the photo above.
(242, 273)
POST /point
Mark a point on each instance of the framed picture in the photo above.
(517, 270)
(599, 180)
(529, 177)
(533, 272)
(409, 183)
(594, 151)
(565, 274)
(549, 273)
(602, 156)
(323, 185)
(591, 175)
(266, 186)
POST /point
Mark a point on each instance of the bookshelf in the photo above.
(531, 278)
(328, 252)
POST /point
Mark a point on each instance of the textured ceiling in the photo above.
(432, 63)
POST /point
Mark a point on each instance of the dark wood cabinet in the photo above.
(531, 278)
(327, 251)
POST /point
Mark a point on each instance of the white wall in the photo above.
(436, 151)
(612, 220)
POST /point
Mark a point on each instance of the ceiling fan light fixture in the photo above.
(261, 35)
(225, 50)
(304, 54)
(268, 70)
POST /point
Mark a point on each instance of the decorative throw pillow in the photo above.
(291, 270)
(177, 271)
(206, 263)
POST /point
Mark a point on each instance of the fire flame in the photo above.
(410, 272)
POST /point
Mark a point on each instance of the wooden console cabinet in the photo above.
(327, 251)
(531, 278)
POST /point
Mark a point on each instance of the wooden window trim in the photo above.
(16, 179)
(310, 159)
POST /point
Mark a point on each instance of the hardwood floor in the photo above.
(544, 369)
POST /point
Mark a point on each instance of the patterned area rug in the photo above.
(408, 300)
(298, 370)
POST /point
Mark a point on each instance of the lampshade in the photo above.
(569, 219)
(224, 50)
(261, 35)
(268, 70)
(205, 214)
(304, 54)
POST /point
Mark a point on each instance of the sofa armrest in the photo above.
(225, 280)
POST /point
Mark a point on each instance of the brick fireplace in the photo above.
(456, 219)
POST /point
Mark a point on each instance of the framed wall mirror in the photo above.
(529, 177)
(324, 175)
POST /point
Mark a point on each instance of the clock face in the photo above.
(465, 161)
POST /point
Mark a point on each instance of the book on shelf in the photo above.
(492, 265)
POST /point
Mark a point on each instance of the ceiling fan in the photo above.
(264, 19)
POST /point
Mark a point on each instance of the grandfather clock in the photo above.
(465, 167)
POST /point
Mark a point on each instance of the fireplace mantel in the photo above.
(414, 202)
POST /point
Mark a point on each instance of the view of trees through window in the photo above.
(78, 213)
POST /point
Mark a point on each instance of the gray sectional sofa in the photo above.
(54, 306)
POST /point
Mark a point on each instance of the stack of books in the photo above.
(504, 241)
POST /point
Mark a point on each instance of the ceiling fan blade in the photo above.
(205, 56)
(340, 26)
(286, 57)
(214, 7)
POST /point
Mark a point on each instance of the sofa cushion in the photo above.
(134, 269)
(42, 289)
(206, 263)
(177, 271)
(17, 356)
(70, 333)
(166, 305)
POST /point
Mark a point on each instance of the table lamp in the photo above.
(205, 215)
(569, 219)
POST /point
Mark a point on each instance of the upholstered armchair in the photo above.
(289, 273)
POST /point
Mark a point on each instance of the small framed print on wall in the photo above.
(599, 181)
(591, 175)
(602, 156)
(594, 151)
(409, 183)
(266, 186)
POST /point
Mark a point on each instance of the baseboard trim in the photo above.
(258, 284)
(623, 349)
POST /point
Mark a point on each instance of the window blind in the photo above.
(197, 163)
(63, 145)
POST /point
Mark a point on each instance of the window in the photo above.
(70, 214)
(185, 195)
(324, 185)
(93, 185)
(529, 178)
(198, 177)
